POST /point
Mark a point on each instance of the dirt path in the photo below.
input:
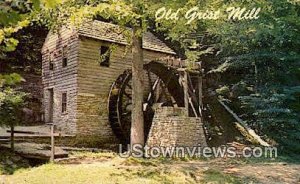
(265, 173)
(268, 173)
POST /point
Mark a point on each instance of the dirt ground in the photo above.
(268, 173)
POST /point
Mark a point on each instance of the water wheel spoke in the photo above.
(126, 113)
(128, 103)
(151, 94)
(129, 85)
(128, 95)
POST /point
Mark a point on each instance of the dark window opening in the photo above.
(51, 64)
(65, 62)
(104, 56)
(65, 57)
(64, 103)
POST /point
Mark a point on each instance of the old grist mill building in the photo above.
(87, 82)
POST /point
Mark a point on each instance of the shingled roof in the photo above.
(113, 33)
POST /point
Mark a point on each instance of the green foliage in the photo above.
(11, 100)
(27, 56)
(263, 54)
(224, 90)
(17, 14)
(273, 113)
(274, 110)
(10, 80)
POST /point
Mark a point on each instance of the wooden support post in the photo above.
(12, 138)
(52, 156)
(200, 87)
(200, 95)
(186, 92)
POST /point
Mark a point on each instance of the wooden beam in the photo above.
(22, 132)
(193, 71)
(200, 95)
(186, 92)
(52, 156)
(193, 108)
(250, 131)
(12, 138)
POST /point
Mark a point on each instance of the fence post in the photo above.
(52, 154)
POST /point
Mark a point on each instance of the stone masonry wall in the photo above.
(171, 128)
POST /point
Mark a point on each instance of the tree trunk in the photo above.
(137, 119)
(12, 138)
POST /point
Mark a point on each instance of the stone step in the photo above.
(37, 151)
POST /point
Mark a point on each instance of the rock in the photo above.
(9, 162)
(16, 158)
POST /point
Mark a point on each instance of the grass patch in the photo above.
(215, 176)
(93, 174)
(86, 154)
(10, 162)
(131, 161)
(244, 161)
(161, 175)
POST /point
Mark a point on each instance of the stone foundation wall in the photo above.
(92, 118)
(171, 128)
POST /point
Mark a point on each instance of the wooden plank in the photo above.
(200, 95)
(186, 93)
(243, 124)
(4, 140)
(193, 108)
(21, 132)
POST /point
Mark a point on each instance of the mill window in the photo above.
(104, 56)
(65, 56)
(64, 103)
(51, 62)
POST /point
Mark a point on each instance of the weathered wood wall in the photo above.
(61, 79)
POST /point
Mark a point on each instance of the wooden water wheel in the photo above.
(160, 81)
